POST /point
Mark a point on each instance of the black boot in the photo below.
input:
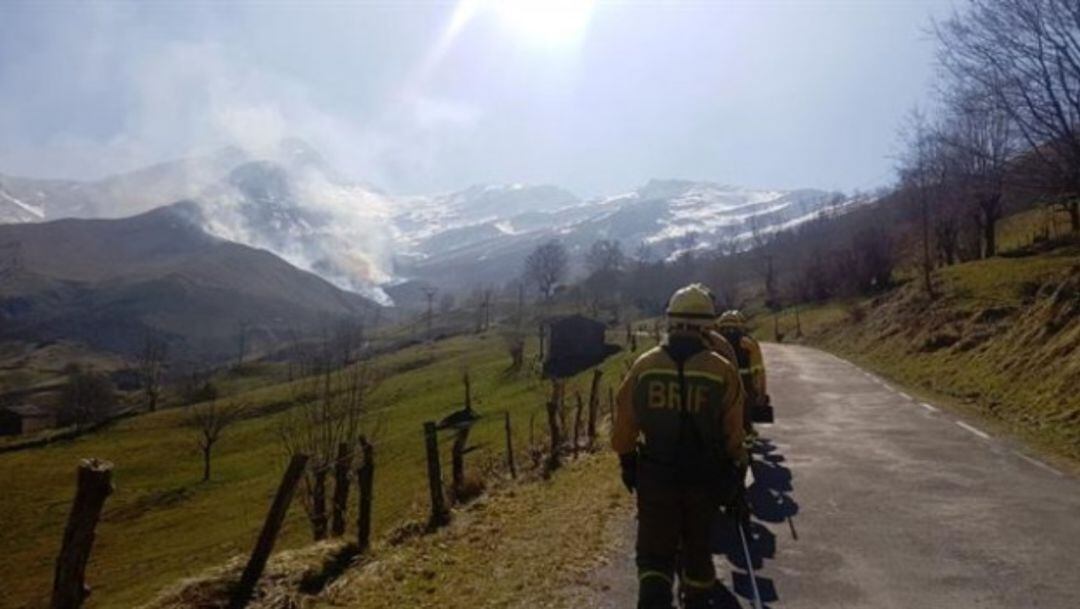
(655, 593)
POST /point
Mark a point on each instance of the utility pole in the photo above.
(429, 293)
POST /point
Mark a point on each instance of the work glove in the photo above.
(628, 465)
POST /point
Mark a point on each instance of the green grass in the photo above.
(1002, 281)
(162, 523)
(1020, 230)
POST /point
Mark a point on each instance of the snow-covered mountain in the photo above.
(291, 202)
(481, 235)
(287, 200)
(14, 210)
(125, 194)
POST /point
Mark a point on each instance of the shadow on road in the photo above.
(772, 502)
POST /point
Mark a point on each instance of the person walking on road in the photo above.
(732, 326)
(678, 431)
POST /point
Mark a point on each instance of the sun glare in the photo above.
(554, 23)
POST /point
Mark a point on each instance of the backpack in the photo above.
(699, 461)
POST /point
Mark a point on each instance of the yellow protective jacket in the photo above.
(718, 343)
(749, 361)
(647, 405)
(757, 366)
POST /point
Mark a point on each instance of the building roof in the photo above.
(576, 318)
(28, 411)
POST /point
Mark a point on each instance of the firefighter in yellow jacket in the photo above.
(678, 430)
(732, 326)
(713, 338)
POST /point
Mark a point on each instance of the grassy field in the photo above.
(163, 524)
(1001, 341)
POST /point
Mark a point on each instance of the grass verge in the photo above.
(1000, 341)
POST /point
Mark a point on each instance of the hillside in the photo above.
(108, 283)
(144, 543)
(1002, 340)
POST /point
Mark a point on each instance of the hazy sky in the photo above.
(433, 96)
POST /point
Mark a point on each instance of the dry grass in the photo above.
(521, 546)
(1001, 341)
(528, 543)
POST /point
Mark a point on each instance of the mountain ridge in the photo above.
(111, 282)
(291, 202)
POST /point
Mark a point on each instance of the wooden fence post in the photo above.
(318, 517)
(534, 451)
(553, 408)
(94, 485)
(271, 527)
(577, 422)
(510, 446)
(365, 485)
(439, 515)
(457, 461)
(340, 505)
(594, 405)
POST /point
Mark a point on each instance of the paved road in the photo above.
(867, 498)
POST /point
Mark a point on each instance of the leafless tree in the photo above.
(605, 255)
(687, 251)
(514, 339)
(947, 237)
(758, 237)
(920, 175)
(347, 338)
(209, 419)
(151, 367)
(1024, 57)
(480, 302)
(331, 413)
(722, 279)
(979, 145)
(874, 258)
(644, 254)
(605, 262)
(87, 398)
(546, 267)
